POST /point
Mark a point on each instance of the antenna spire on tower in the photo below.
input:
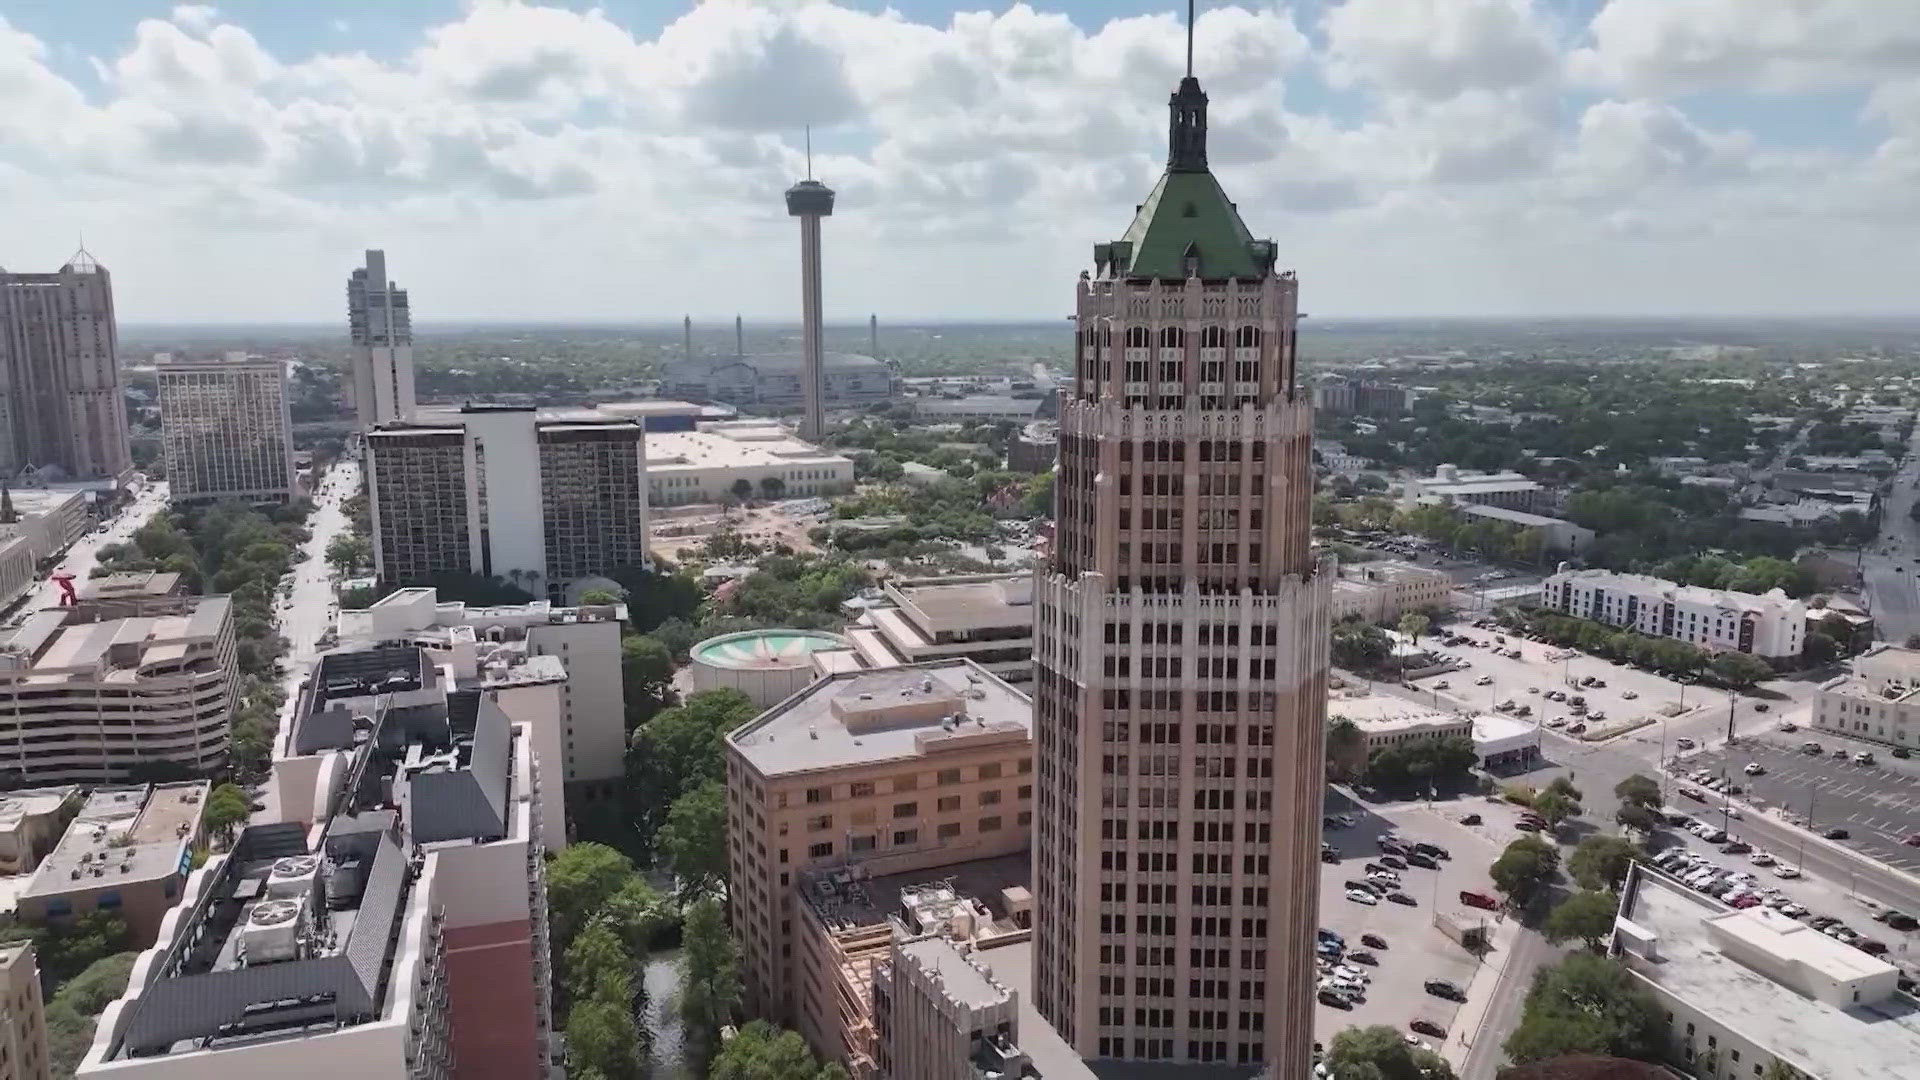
(1189, 39)
(810, 143)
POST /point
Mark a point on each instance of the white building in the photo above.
(986, 407)
(381, 326)
(67, 676)
(1556, 535)
(1389, 721)
(577, 719)
(225, 429)
(1772, 626)
(1742, 989)
(985, 618)
(1383, 591)
(397, 932)
(705, 465)
(1453, 485)
(455, 489)
(1879, 700)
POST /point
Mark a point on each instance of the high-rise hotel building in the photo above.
(226, 429)
(1181, 649)
(381, 324)
(60, 402)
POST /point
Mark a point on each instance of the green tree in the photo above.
(1526, 865)
(1587, 1004)
(1819, 649)
(1601, 862)
(580, 881)
(1638, 818)
(1564, 786)
(347, 552)
(1741, 670)
(227, 807)
(1555, 807)
(1780, 1070)
(654, 596)
(597, 597)
(602, 1040)
(761, 1051)
(678, 750)
(742, 490)
(1380, 1053)
(74, 1009)
(1638, 790)
(694, 839)
(1346, 749)
(772, 487)
(1585, 916)
(1412, 625)
(598, 965)
(1358, 645)
(646, 677)
(710, 975)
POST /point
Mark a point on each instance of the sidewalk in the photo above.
(1480, 993)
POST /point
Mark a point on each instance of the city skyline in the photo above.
(1546, 158)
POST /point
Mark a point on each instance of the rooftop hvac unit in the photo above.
(293, 876)
(272, 932)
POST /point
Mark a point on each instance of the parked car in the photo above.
(1403, 898)
(1363, 957)
(1424, 862)
(1428, 1027)
(1737, 847)
(1786, 871)
(1434, 850)
(1902, 752)
(1470, 819)
(1789, 726)
(1445, 989)
(1837, 834)
(1479, 900)
(1811, 747)
(1394, 861)
(1761, 706)
(1754, 768)
(1684, 743)
(1863, 758)
(1373, 941)
(1362, 896)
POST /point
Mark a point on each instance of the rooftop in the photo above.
(1517, 517)
(1395, 570)
(1761, 603)
(733, 446)
(967, 603)
(131, 583)
(1884, 672)
(992, 889)
(1382, 713)
(97, 640)
(1878, 1041)
(16, 806)
(121, 836)
(960, 977)
(864, 718)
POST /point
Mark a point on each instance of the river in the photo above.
(662, 981)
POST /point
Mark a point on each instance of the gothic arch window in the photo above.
(1247, 337)
(1172, 337)
(1213, 337)
(1139, 337)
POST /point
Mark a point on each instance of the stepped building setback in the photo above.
(380, 325)
(1181, 640)
(61, 409)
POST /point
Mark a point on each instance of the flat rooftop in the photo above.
(16, 806)
(1390, 570)
(1864, 1042)
(843, 900)
(1518, 517)
(864, 718)
(1884, 673)
(139, 829)
(1761, 603)
(57, 644)
(959, 977)
(764, 446)
(1377, 713)
(1001, 600)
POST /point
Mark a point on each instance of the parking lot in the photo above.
(1628, 694)
(1878, 805)
(1416, 949)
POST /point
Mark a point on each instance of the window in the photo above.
(903, 837)
(820, 850)
(948, 804)
(990, 771)
(906, 783)
(819, 794)
(989, 797)
(820, 823)
(861, 843)
(862, 789)
(989, 824)
(906, 809)
(949, 830)
(949, 776)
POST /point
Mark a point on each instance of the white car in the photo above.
(1754, 768)
(1484, 680)
(1760, 858)
(1629, 694)
(1785, 871)
(1360, 896)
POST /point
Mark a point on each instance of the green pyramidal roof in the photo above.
(1187, 211)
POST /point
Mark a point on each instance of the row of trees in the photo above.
(1738, 670)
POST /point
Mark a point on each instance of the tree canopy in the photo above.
(1381, 1053)
(1601, 861)
(760, 1051)
(1586, 916)
(694, 839)
(1587, 1004)
(1527, 864)
(1422, 761)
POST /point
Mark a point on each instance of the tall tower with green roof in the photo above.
(1181, 643)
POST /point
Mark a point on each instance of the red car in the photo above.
(1479, 900)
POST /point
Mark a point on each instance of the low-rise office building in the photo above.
(1557, 536)
(1742, 989)
(895, 770)
(127, 852)
(50, 516)
(23, 1016)
(1384, 590)
(985, 618)
(89, 693)
(1391, 721)
(1771, 625)
(401, 934)
(1452, 485)
(709, 465)
(1877, 700)
(983, 407)
(31, 823)
(556, 669)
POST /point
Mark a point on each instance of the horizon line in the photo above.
(726, 322)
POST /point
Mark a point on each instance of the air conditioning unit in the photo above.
(293, 876)
(273, 930)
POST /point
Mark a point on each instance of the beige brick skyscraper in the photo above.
(1181, 649)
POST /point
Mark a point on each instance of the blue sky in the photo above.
(623, 160)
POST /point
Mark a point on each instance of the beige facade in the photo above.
(127, 853)
(1384, 591)
(1879, 700)
(704, 466)
(1181, 649)
(888, 772)
(23, 1017)
(70, 677)
(986, 618)
(31, 823)
(226, 430)
(62, 410)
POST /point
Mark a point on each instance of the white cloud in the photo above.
(976, 157)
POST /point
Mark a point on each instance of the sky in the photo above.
(625, 161)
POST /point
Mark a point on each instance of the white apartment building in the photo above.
(516, 652)
(1878, 700)
(398, 934)
(1451, 485)
(1772, 626)
(706, 465)
(90, 692)
(381, 326)
(455, 489)
(1742, 989)
(225, 429)
(1383, 591)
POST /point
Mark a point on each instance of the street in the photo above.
(1888, 581)
(81, 558)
